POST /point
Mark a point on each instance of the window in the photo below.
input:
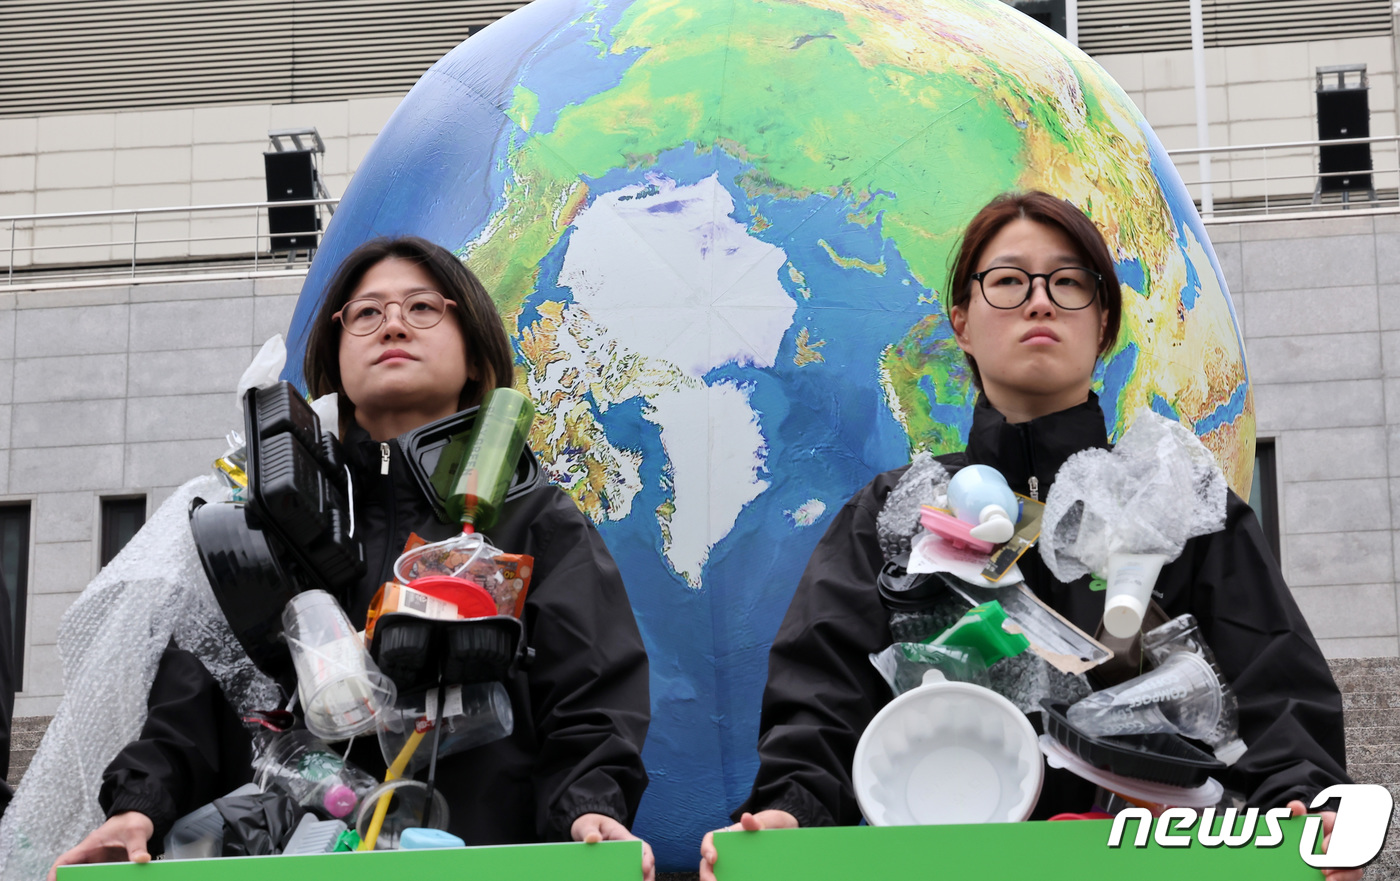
(121, 519)
(1050, 13)
(1263, 494)
(14, 569)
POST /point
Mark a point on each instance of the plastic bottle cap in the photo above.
(1122, 615)
(340, 800)
(1230, 752)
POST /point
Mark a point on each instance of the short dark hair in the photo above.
(488, 348)
(1046, 209)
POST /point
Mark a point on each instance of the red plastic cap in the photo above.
(472, 600)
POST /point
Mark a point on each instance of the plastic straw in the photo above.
(381, 808)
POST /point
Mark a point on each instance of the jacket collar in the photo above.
(1037, 448)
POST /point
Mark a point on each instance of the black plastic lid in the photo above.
(902, 591)
(1160, 758)
(423, 447)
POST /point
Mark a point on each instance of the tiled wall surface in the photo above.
(110, 392)
(162, 158)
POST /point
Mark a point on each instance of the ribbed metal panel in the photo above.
(1112, 26)
(67, 56)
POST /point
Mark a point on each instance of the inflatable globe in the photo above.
(719, 232)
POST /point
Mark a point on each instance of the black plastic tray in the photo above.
(423, 447)
(419, 653)
(1160, 758)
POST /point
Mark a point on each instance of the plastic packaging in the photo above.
(1182, 633)
(301, 765)
(199, 835)
(408, 798)
(1157, 488)
(1180, 696)
(257, 824)
(924, 483)
(313, 836)
(340, 689)
(471, 556)
(474, 474)
(904, 664)
(473, 715)
(947, 752)
(428, 839)
(1140, 791)
(980, 495)
(1130, 581)
(983, 629)
(1159, 758)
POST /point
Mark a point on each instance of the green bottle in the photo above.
(474, 475)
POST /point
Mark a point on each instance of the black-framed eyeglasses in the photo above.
(423, 309)
(1069, 287)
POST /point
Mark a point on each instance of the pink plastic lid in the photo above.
(340, 800)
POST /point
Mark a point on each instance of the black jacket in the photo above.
(822, 690)
(581, 710)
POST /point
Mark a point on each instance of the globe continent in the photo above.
(719, 233)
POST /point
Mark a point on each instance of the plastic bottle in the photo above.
(1181, 695)
(1182, 633)
(477, 474)
(979, 494)
(305, 768)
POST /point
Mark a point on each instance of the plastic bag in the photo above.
(904, 664)
(1152, 492)
(257, 825)
(469, 555)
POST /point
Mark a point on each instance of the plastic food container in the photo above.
(948, 752)
(1157, 758)
(1202, 796)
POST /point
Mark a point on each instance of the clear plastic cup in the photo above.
(341, 691)
(407, 801)
(473, 715)
(1181, 696)
(301, 765)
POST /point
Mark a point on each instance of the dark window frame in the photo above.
(21, 512)
(1266, 489)
(112, 508)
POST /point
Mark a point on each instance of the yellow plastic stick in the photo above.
(381, 808)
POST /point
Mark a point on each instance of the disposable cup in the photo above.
(473, 715)
(1181, 696)
(408, 798)
(341, 691)
(1130, 581)
(947, 752)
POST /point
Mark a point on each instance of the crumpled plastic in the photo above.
(266, 367)
(466, 555)
(1157, 488)
(110, 643)
(904, 664)
(898, 522)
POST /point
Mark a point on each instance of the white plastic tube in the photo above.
(1130, 581)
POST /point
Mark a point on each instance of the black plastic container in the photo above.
(424, 447)
(1160, 758)
(902, 591)
(419, 653)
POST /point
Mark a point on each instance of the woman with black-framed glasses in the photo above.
(1034, 302)
(407, 335)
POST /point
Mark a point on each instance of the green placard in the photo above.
(1061, 851)
(606, 861)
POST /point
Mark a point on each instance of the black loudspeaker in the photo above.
(291, 177)
(1344, 114)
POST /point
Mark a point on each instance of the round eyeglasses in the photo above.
(1069, 287)
(366, 315)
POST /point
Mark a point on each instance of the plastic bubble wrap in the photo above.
(1158, 487)
(923, 484)
(110, 642)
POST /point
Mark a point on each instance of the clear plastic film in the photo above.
(904, 664)
(1157, 488)
(924, 483)
(110, 643)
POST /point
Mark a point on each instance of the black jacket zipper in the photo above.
(1032, 482)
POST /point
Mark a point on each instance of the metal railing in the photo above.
(1282, 180)
(62, 249)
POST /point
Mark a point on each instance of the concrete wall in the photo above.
(1257, 95)
(109, 392)
(160, 158)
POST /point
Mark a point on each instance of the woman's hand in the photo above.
(1329, 818)
(747, 823)
(593, 828)
(123, 837)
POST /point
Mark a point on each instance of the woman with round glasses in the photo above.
(1033, 302)
(406, 336)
